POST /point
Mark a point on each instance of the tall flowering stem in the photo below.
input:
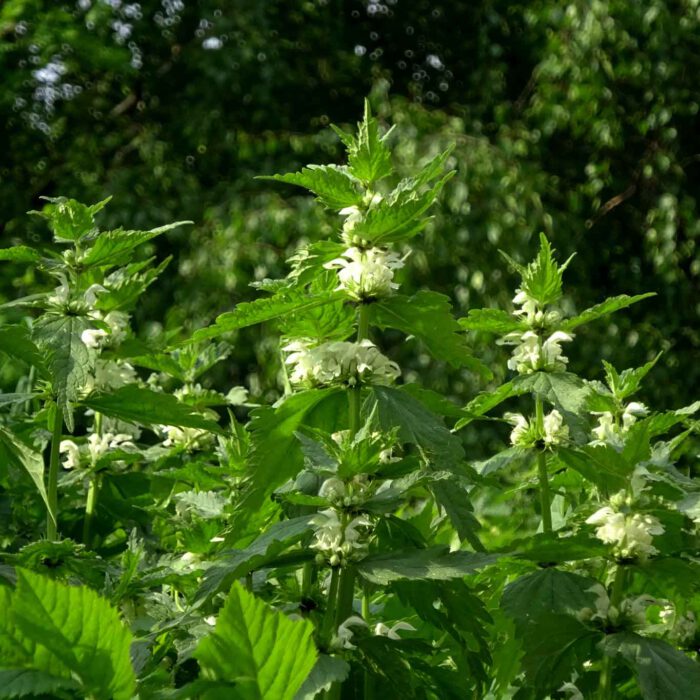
(93, 491)
(545, 496)
(52, 486)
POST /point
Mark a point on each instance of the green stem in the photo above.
(368, 681)
(52, 486)
(90, 506)
(545, 497)
(346, 595)
(329, 620)
(307, 574)
(606, 690)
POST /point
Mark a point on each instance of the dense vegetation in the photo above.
(368, 442)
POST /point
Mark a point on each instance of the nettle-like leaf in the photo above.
(326, 671)
(485, 401)
(541, 279)
(431, 563)
(491, 321)
(564, 390)
(606, 307)
(137, 404)
(254, 312)
(127, 284)
(369, 157)
(114, 248)
(333, 185)
(20, 253)
(15, 452)
(399, 218)
(600, 464)
(428, 316)
(261, 650)
(16, 342)
(625, 383)
(69, 635)
(663, 673)
(69, 360)
(70, 220)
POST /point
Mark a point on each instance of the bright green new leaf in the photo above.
(484, 402)
(625, 383)
(137, 404)
(113, 248)
(19, 253)
(606, 307)
(562, 389)
(70, 220)
(334, 186)
(267, 309)
(67, 632)
(265, 653)
(17, 683)
(434, 563)
(428, 316)
(491, 321)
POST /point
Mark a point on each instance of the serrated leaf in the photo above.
(600, 464)
(626, 383)
(136, 404)
(113, 248)
(70, 362)
(664, 673)
(606, 307)
(433, 563)
(562, 389)
(504, 459)
(69, 220)
(491, 321)
(19, 253)
(487, 400)
(16, 683)
(73, 627)
(428, 316)
(23, 457)
(262, 650)
(369, 157)
(254, 312)
(15, 341)
(334, 186)
(237, 563)
(397, 220)
(326, 671)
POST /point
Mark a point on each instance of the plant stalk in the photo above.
(52, 486)
(545, 496)
(90, 507)
(606, 672)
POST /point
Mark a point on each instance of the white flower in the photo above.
(188, 438)
(93, 337)
(556, 431)
(118, 322)
(532, 354)
(344, 634)
(339, 362)
(525, 434)
(366, 273)
(91, 294)
(611, 432)
(680, 629)
(333, 489)
(335, 541)
(631, 534)
(99, 445)
(110, 374)
(72, 452)
(61, 294)
(573, 693)
(382, 630)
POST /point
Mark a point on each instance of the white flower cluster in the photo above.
(526, 434)
(610, 431)
(110, 374)
(96, 447)
(680, 628)
(336, 541)
(366, 273)
(631, 533)
(531, 312)
(188, 439)
(339, 362)
(343, 636)
(97, 338)
(532, 353)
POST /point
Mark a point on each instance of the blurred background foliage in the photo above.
(579, 119)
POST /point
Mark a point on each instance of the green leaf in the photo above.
(454, 499)
(16, 683)
(369, 157)
(262, 650)
(334, 186)
(550, 548)
(627, 382)
(433, 563)
(276, 454)
(428, 316)
(71, 627)
(562, 389)
(15, 452)
(542, 278)
(69, 220)
(548, 591)
(15, 341)
(504, 459)
(254, 312)
(418, 426)
(487, 400)
(664, 673)
(69, 360)
(19, 253)
(491, 321)
(600, 464)
(399, 219)
(326, 671)
(606, 307)
(113, 248)
(136, 404)
(276, 539)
